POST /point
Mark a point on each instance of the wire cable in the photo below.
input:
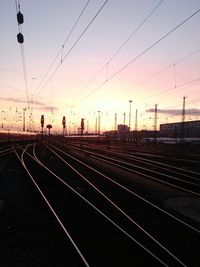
(24, 71)
(172, 88)
(178, 88)
(67, 54)
(121, 46)
(163, 70)
(194, 101)
(62, 47)
(141, 54)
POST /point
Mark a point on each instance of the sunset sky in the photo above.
(107, 55)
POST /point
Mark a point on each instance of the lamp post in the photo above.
(130, 102)
(24, 118)
(155, 122)
(115, 127)
(99, 121)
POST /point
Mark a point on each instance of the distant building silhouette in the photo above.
(122, 128)
(181, 129)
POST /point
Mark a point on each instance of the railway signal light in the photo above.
(42, 122)
(82, 124)
(49, 126)
(64, 122)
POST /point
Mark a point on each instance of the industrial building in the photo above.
(180, 129)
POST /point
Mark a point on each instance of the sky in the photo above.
(83, 58)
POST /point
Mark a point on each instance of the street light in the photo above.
(99, 121)
(24, 118)
(130, 101)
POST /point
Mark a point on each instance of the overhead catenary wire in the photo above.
(166, 68)
(69, 51)
(178, 88)
(61, 50)
(192, 111)
(140, 55)
(194, 101)
(122, 45)
(24, 71)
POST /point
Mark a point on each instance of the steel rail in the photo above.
(51, 208)
(119, 209)
(95, 155)
(166, 165)
(138, 158)
(100, 212)
(129, 191)
(148, 176)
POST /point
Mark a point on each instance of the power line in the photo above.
(122, 45)
(133, 33)
(62, 47)
(194, 101)
(185, 85)
(141, 54)
(164, 69)
(24, 71)
(67, 54)
(85, 30)
(178, 87)
(172, 88)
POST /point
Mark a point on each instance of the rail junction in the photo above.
(74, 203)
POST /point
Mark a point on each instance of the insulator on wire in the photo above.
(20, 18)
(20, 38)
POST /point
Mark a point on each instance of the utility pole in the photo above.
(24, 119)
(82, 126)
(136, 119)
(155, 122)
(129, 125)
(115, 122)
(96, 125)
(155, 118)
(124, 119)
(183, 110)
(183, 120)
(124, 126)
(136, 126)
(99, 121)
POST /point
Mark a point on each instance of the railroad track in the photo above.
(178, 152)
(100, 238)
(164, 154)
(99, 230)
(138, 215)
(185, 180)
(173, 157)
(102, 220)
(180, 201)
